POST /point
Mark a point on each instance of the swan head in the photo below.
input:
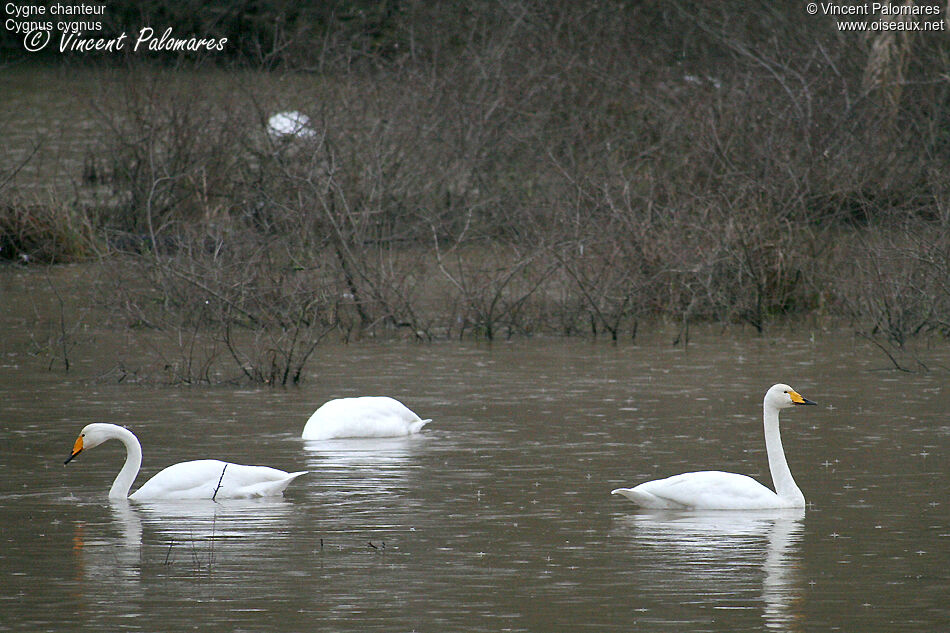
(92, 435)
(782, 396)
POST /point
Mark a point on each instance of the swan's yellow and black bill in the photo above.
(796, 398)
(77, 448)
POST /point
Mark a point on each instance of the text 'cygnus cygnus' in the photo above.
(714, 490)
(200, 479)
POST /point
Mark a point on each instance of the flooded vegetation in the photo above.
(556, 172)
(582, 238)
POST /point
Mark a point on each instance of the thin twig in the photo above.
(897, 365)
(220, 479)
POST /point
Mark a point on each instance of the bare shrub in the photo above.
(170, 149)
(898, 286)
(235, 302)
(545, 169)
(494, 284)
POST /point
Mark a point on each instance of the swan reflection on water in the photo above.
(107, 557)
(720, 557)
(391, 452)
(347, 465)
(234, 519)
(182, 521)
(192, 536)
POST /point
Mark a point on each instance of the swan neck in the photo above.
(785, 486)
(133, 461)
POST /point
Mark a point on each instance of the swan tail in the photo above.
(273, 487)
(416, 426)
(643, 499)
(286, 482)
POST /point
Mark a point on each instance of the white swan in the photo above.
(290, 124)
(714, 490)
(200, 479)
(366, 416)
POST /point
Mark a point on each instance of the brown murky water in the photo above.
(498, 517)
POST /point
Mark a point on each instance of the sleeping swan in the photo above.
(201, 479)
(714, 490)
(367, 416)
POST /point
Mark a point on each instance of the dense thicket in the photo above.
(520, 167)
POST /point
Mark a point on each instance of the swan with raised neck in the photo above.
(199, 479)
(716, 490)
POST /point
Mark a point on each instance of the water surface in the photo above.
(498, 517)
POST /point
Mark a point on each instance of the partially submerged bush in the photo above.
(47, 232)
(546, 169)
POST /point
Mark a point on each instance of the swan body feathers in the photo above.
(212, 478)
(364, 416)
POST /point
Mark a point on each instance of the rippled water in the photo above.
(498, 517)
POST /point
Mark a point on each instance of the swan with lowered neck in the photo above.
(364, 416)
(199, 479)
(714, 490)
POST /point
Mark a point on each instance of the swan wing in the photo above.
(707, 490)
(214, 479)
